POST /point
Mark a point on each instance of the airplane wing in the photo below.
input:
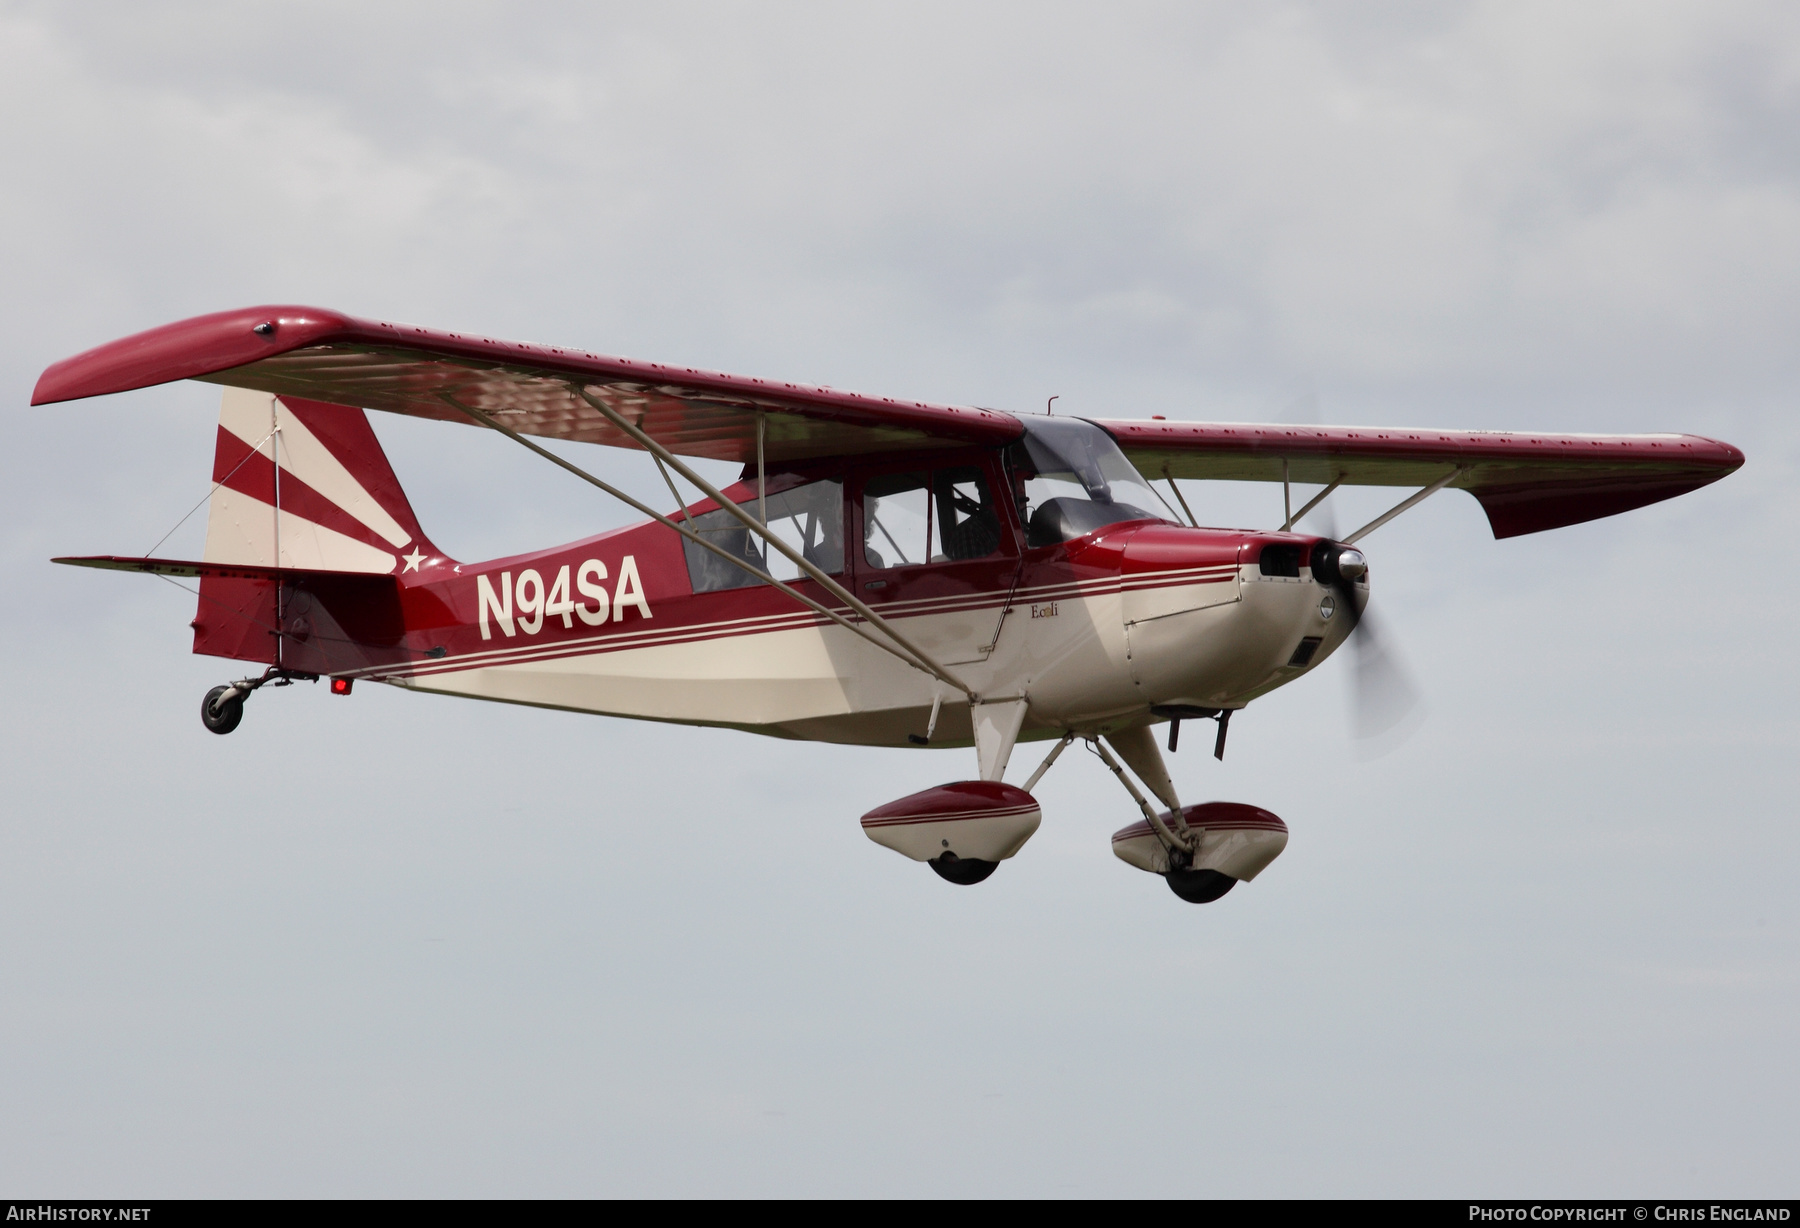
(1525, 481)
(327, 356)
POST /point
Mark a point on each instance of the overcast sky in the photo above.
(397, 945)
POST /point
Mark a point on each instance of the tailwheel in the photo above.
(223, 706)
(222, 709)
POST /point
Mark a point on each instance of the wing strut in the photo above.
(751, 523)
(1317, 499)
(685, 532)
(1184, 507)
(1401, 506)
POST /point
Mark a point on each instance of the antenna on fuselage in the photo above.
(1052, 401)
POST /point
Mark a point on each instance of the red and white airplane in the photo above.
(884, 572)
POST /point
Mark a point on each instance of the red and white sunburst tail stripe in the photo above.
(297, 484)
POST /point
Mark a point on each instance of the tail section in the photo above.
(304, 484)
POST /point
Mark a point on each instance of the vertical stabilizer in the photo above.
(305, 484)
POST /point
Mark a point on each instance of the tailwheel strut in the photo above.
(223, 706)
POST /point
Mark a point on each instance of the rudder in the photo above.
(305, 484)
(302, 484)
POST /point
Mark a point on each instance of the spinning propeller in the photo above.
(1383, 699)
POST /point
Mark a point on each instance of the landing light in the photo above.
(1327, 608)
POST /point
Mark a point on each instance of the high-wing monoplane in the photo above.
(884, 572)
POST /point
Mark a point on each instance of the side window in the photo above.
(965, 523)
(943, 517)
(808, 518)
(896, 520)
(707, 571)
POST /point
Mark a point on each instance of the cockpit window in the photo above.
(944, 516)
(1070, 479)
(964, 522)
(897, 519)
(808, 518)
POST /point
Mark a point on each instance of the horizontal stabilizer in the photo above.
(301, 618)
(228, 571)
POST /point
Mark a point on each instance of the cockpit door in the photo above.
(935, 546)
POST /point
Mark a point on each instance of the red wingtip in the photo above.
(186, 349)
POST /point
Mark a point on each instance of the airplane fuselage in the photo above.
(1097, 633)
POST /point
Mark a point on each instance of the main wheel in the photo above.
(963, 871)
(1199, 886)
(221, 717)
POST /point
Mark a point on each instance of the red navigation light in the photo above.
(340, 686)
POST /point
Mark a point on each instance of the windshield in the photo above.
(1070, 478)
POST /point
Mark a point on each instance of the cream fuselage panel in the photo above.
(1070, 650)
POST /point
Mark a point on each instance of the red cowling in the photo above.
(1160, 549)
(987, 820)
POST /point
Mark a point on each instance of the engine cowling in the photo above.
(1236, 843)
(963, 829)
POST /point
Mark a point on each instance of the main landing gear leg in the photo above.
(1180, 843)
(223, 706)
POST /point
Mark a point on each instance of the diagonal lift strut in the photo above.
(684, 531)
(755, 526)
